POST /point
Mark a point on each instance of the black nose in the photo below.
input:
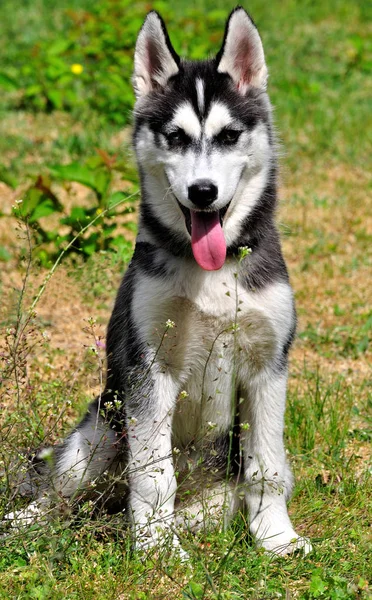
(202, 193)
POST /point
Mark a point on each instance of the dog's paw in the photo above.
(21, 519)
(285, 543)
(160, 548)
(158, 541)
(179, 552)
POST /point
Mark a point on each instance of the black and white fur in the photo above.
(197, 359)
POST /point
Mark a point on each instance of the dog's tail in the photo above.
(29, 474)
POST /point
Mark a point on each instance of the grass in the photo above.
(319, 57)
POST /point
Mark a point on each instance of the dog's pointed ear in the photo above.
(155, 59)
(242, 56)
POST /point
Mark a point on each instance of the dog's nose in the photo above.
(202, 193)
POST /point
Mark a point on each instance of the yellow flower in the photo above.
(77, 69)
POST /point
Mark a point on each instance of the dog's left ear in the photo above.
(242, 56)
(155, 59)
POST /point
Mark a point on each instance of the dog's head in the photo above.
(202, 135)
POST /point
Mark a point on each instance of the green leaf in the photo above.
(93, 162)
(7, 82)
(90, 245)
(74, 172)
(131, 226)
(30, 200)
(7, 177)
(78, 218)
(115, 198)
(56, 98)
(97, 180)
(367, 326)
(102, 180)
(195, 591)
(123, 247)
(363, 344)
(33, 90)
(39, 201)
(317, 585)
(58, 47)
(44, 208)
(107, 230)
(4, 254)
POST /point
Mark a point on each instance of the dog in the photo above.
(198, 341)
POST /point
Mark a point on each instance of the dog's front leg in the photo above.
(151, 473)
(268, 479)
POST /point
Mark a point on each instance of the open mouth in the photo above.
(187, 214)
(207, 238)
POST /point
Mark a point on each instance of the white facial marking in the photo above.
(240, 175)
(218, 118)
(186, 119)
(199, 84)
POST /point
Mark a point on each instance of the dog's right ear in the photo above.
(155, 59)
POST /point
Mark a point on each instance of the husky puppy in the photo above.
(198, 341)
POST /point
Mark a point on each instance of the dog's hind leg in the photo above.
(214, 506)
(87, 453)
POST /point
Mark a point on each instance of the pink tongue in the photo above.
(207, 240)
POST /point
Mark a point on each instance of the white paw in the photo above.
(20, 519)
(159, 540)
(285, 543)
(181, 553)
(188, 520)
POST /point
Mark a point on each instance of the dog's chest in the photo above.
(197, 318)
(212, 335)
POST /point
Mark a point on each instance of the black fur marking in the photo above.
(281, 362)
(146, 256)
(172, 241)
(159, 107)
(128, 378)
(178, 139)
(29, 476)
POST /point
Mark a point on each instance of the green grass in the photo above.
(79, 557)
(319, 57)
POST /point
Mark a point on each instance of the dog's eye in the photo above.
(228, 137)
(177, 138)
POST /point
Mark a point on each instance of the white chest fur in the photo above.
(216, 296)
(218, 335)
